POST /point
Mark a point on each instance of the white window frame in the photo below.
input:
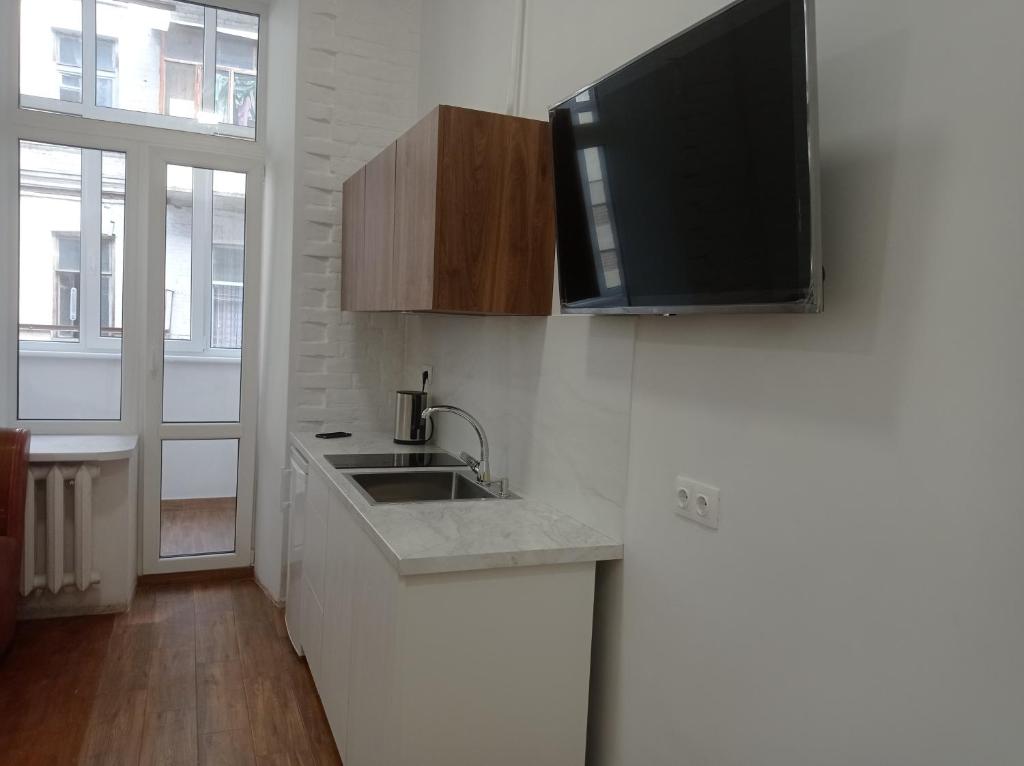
(90, 341)
(146, 148)
(138, 141)
(156, 430)
(87, 108)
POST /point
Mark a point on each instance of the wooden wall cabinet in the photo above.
(368, 215)
(465, 225)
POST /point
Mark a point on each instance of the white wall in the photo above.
(55, 385)
(275, 324)
(552, 394)
(861, 601)
(454, 33)
(357, 93)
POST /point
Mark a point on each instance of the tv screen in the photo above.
(686, 180)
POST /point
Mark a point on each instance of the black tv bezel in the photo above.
(813, 302)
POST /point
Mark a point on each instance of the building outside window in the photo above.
(167, 64)
(67, 52)
(67, 284)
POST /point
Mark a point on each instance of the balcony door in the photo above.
(199, 435)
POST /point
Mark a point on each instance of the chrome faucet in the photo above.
(481, 467)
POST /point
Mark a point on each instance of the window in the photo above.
(203, 288)
(226, 327)
(68, 55)
(236, 69)
(167, 64)
(71, 284)
(205, 255)
(67, 283)
(106, 71)
(108, 294)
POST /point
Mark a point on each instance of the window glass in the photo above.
(104, 91)
(159, 56)
(51, 49)
(69, 49)
(178, 265)
(106, 54)
(205, 224)
(228, 259)
(70, 290)
(198, 496)
(183, 40)
(112, 245)
(227, 263)
(69, 252)
(169, 64)
(236, 52)
(237, 45)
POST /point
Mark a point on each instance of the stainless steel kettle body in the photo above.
(409, 429)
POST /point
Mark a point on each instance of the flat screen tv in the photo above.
(686, 180)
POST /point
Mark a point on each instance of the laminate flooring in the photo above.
(193, 674)
(201, 525)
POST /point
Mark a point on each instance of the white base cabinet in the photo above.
(459, 669)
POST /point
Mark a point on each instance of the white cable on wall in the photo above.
(514, 105)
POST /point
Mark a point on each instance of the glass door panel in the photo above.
(198, 496)
(203, 287)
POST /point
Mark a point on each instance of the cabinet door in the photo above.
(313, 559)
(352, 238)
(374, 280)
(342, 536)
(317, 502)
(296, 533)
(495, 215)
(415, 208)
(312, 633)
(373, 738)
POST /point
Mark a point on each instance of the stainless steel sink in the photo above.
(420, 486)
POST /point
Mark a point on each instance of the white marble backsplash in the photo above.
(553, 394)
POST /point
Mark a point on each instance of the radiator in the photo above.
(55, 475)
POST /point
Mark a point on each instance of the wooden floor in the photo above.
(193, 674)
(200, 525)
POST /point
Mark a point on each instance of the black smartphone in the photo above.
(333, 435)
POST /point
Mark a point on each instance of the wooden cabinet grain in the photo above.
(353, 198)
(471, 211)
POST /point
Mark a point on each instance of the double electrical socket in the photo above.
(697, 502)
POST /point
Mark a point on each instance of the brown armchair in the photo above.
(13, 476)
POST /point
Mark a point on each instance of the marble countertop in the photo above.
(446, 536)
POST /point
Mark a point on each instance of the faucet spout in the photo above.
(481, 467)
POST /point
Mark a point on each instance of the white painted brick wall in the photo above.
(358, 78)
